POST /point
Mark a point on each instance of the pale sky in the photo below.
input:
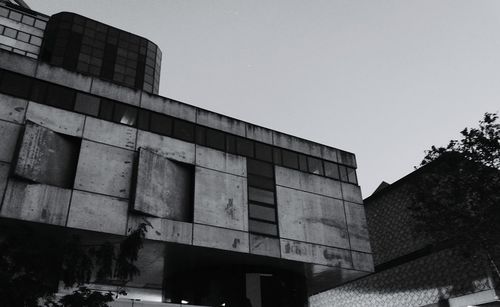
(383, 79)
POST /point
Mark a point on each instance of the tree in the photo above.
(457, 197)
(34, 259)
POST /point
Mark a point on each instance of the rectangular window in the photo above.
(87, 104)
(143, 119)
(263, 152)
(10, 33)
(60, 97)
(351, 175)
(244, 147)
(332, 170)
(315, 166)
(343, 173)
(24, 37)
(124, 114)
(215, 139)
(263, 228)
(262, 213)
(106, 110)
(15, 85)
(277, 156)
(260, 168)
(261, 182)
(161, 124)
(201, 133)
(231, 144)
(302, 163)
(290, 159)
(261, 196)
(184, 130)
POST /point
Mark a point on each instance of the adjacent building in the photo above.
(239, 212)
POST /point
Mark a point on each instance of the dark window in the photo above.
(215, 139)
(351, 175)
(315, 166)
(15, 85)
(231, 144)
(290, 159)
(261, 196)
(87, 104)
(332, 170)
(60, 97)
(184, 130)
(262, 213)
(261, 182)
(201, 133)
(302, 163)
(343, 173)
(39, 91)
(277, 156)
(263, 228)
(143, 120)
(106, 111)
(125, 114)
(161, 124)
(263, 152)
(260, 168)
(244, 147)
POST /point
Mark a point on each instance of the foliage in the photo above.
(457, 195)
(33, 259)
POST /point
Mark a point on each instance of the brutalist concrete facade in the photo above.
(227, 199)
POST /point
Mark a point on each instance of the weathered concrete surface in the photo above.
(362, 261)
(61, 121)
(260, 134)
(358, 230)
(168, 106)
(264, 246)
(220, 199)
(17, 63)
(220, 122)
(12, 109)
(163, 229)
(164, 187)
(98, 213)
(219, 238)
(312, 253)
(4, 174)
(47, 157)
(63, 77)
(9, 135)
(347, 158)
(307, 182)
(296, 144)
(104, 169)
(311, 218)
(165, 146)
(109, 133)
(36, 202)
(329, 153)
(115, 92)
(221, 161)
(352, 193)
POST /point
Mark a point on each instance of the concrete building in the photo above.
(409, 271)
(239, 211)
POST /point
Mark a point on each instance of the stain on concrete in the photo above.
(230, 210)
(236, 242)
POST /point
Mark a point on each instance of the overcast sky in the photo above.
(383, 79)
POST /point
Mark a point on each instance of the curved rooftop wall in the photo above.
(93, 48)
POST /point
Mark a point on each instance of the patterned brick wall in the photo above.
(389, 224)
(441, 275)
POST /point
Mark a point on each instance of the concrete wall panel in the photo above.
(163, 229)
(312, 253)
(165, 146)
(164, 187)
(61, 121)
(109, 133)
(352, 193)
(47, 157)
(36, 202)
(104, 169)
(358, 230)
(17, 63)
(98, 213)
(329, 153)
(63, 77)
(9, 135)
(220, 199)
(264, 246)
(260, 134)
(297, 144)
(220, 122)
(12, 109)
(307, 182)
(347, 158)
(4, 174)
(115, 92)
(311, 218)
(168, 106)
(221, 161)
(362, 261)
(219, 238)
